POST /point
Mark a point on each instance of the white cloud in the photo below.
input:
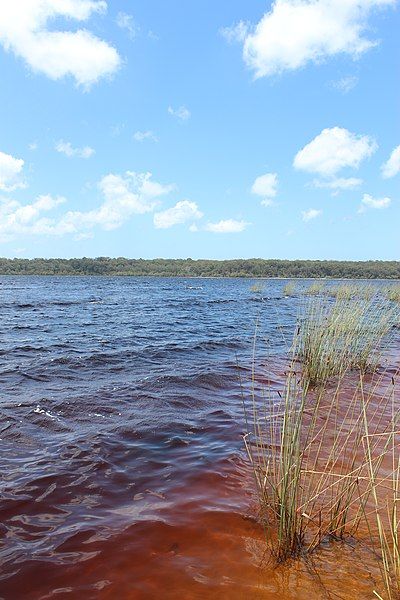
(182, 212)
(123, 196)
(332, 150)
(10, 170)
(33, 146)
(133, 193)
(125, 21)
(392, 166)
(67, 149)
(26, 29)
(140, 136)
(296, 32)
(370, 202)
(17, 219)
(311, 213)
(266, 187)
(227, 226)
(345, 84)
(339, 183)
(181, 113)
(236, 33)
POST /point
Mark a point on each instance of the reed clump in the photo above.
(289, 289)
(315, 288)
(393, 293)
(351, 290)
(325, 458)
(303, 451)
(257, 287)
(346, 333)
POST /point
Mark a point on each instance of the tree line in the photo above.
(251, 268)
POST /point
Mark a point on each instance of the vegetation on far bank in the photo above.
(254, 267)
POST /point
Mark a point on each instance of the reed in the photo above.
(316, 288)
(393, 293)
(351, 290)
(257, 287)
(343, 334)
(302, 452)
(306, 444)
(289, 289)
(384, 521)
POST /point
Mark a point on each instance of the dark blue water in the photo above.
(85, 349)
(120, 430)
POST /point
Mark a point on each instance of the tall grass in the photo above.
(341, 334)
(315, 288)
(393, 293)
(257, 287)
(289, 288)
(303, 453)
(317, 451)
(351, 290)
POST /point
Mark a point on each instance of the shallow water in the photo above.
(122, 466)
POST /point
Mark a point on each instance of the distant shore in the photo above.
(256, 268)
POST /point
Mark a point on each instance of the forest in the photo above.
(251, 268)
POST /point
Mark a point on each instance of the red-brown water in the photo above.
(123, 474)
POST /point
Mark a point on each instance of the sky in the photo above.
(202, 129)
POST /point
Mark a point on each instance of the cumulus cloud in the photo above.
(141, 136)
(26, 29)
(227, 226)
(332, 150)
(123, 197)
(392, 166)
(182, 113)
(294, 33)
(10, 171)
(182, 212)
(67, 149)
(266, 187)
(17, 219)
(311, 213)
(371, 202)
(126, 21)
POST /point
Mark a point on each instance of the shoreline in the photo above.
(249, 277)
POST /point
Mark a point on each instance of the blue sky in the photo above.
(199, 129)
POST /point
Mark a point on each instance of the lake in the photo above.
(123, 472)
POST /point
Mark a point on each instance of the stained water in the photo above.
(122, 468)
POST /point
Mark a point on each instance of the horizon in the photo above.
(199, 130)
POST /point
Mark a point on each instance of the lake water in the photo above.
(122, 466)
